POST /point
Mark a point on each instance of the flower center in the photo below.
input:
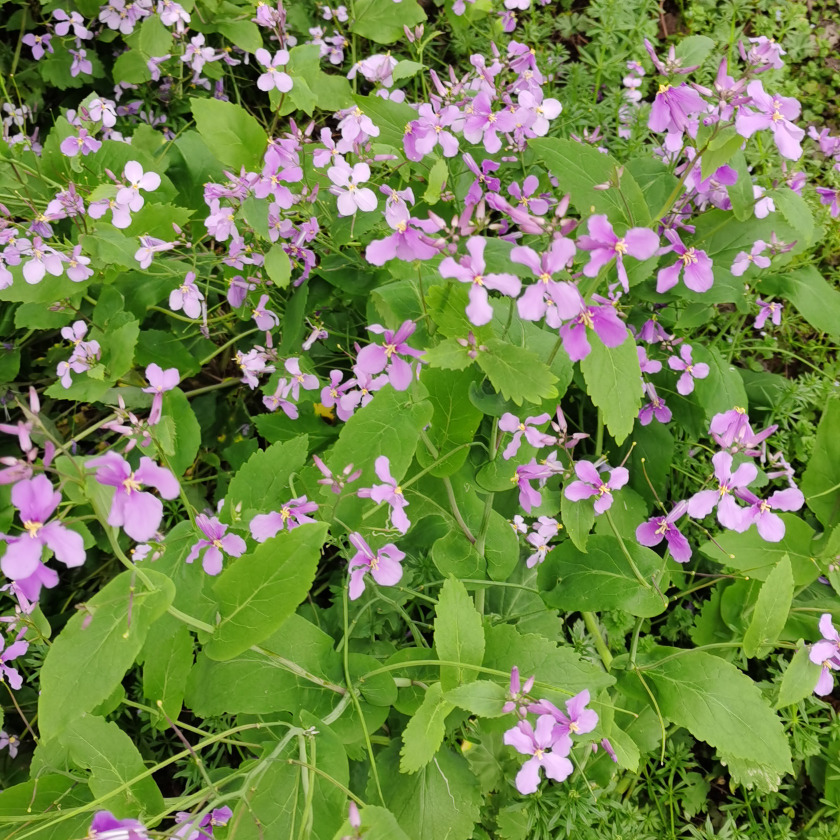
(620, 247)
(218, 544)
(662, 529)
(33, 527)
(131, 483)
(689, 257)
(574, 726)
(478, 279)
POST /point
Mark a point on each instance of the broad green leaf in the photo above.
(720, 151)
(447, 304)
(424, 733)
(448, 355)
(255, 683)
(580, 168)
(723, 389)
(244, 34)
(278, 266)
(118, 348)
(47, 795)
(654, 179)
(454, 554)
(435, 181)
(155, 38)
(112, 759)
(601, 579)
(168, 657)
(262, 589)
(749, 553)
(482, 698)
(501, 548)
(821, 479)
(771, 611)
(650, 459)
(612, 376)
(131, 67)
(167, 349)
(382, 21)
(517, 373)
(459, 636)
(817, 301)
(796, 212)
(442, 800)
(406, 69)
(454, 421)
(389, 117)
(799, 679)
(230, 132)
(578, 519)
(694, 50)
(262, 483)
(187, 438)
(103, 639)
(720, 705)
(741, 192)
(377, 824)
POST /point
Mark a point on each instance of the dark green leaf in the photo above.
(382, 21)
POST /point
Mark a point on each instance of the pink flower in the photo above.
(264, 318)
(351, 196)
(389, 492)
(605, 246)
(160, 381)
(383, 565)
(129, 196)
(548, 753)
(187, 297)
(657, 528)
(511, 423)
(274, 78)
(290, 516)
(729, 514)
(775, 113)
(215, 544)
(826, 652)
(690, 369)
(591, 484)
(694, 266)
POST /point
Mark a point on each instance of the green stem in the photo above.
(626, 553)
(591, 623)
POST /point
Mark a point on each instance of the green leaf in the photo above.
(48, 793)
(230, 132)
(244, 34)
(118, 348)
(454, 421)
(741, 192)
(580, 168)
(723, 389)
(382, 21)
(131, 67)
(799, 679)
(482, 698)
(501, 549)
(817, 300)
(262, 483)
(517, 373)
(750, 554)
(389, 117)
(278, 266)
(406, 69)
(720, 705)
(578, 519)
(262, 589)
(602, 578)
(168, 657)
(187, 438)
(612, 376)
(443, 800)
(796, 213)
(720, 151)
(377, 824)
(821, 478)
(113, 759)
(448, 355)
(103, 639)
(694, 50)
(424, 733)
(155, 38)
(435, 180)
(454, 554)
(459, 636)
(771, 611)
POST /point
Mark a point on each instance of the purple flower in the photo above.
(579, 720)
(482, 179)
(72, 21)
(13, 651)
(336, 483)
(77, 265)
(106, 826)
(290, 516)
(160, 381)
(356, 126)
(351, 197)
(655, 408)
(743, 259)
(695, 267)
(331, 394)
(135, 509)
(81, 63)
(84, 143)
(406, 243)
(729, 513)
(657, 528)
(674, 107)
(831, 198)
(539, 541)
(278, 400)
(215, 544)
(482, 123)
(264, 318)
(252, 364)
(554, 300)
(202, 829)
(731, 430)
(187, 297)
(690, 370)
(606, 323)
(389, 492)
(518, 693)
(549, 753)
(591, 484)
(641, 243)
(826, 653)
(376, 358)
(274, 78)
(429, 130)
(768, 309)
(775, 113)
(137, 180)
(770, 527)
(537, 439)
(43, 259)
(10, 741)
(307, 381)
(470, 269)
(149, 246)
(36, 501)
(533, 471)
(383, 566)
(39, 44)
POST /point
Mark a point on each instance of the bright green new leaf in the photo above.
(104, 639)
(262, 589)
(389, 117)
(612, 376)
(771, 611)
(459, 635)
(230, 132)
(424, 733)
(278, 266)
(516, 373)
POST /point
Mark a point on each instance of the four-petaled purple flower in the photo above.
(215, 543)
(826, 653)
(383, 565)
(471, 269)
(641, 243)
(129, 196)
(655, 408)
(591, 484)
(603, 319)
(657, 528)
(136, 510)
(510, 423)
(690, 370)
(556, 300)
(160, 381)
(187, 297)
(775, 113)
(351, 196)
(768, 309)
(770, 526)
(389, 492)
(578, 721)
(106, 826)
(376, 358)
(192, 829)
(13, 651)
(695, 267)
(274, 78)
(548, 753)
(729, 513)
(293, 513)
(755, 257)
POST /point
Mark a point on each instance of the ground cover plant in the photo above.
(420, 421)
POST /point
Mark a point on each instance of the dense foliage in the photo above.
(420, 421)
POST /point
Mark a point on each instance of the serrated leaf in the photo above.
(376, 824)
(482, 698)
(516, 373)
(459, 635)
(424, 733)
(612, 376)
(448, 355)
(230, 132)
(104, 639)
(263, 588)
(771, 611)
